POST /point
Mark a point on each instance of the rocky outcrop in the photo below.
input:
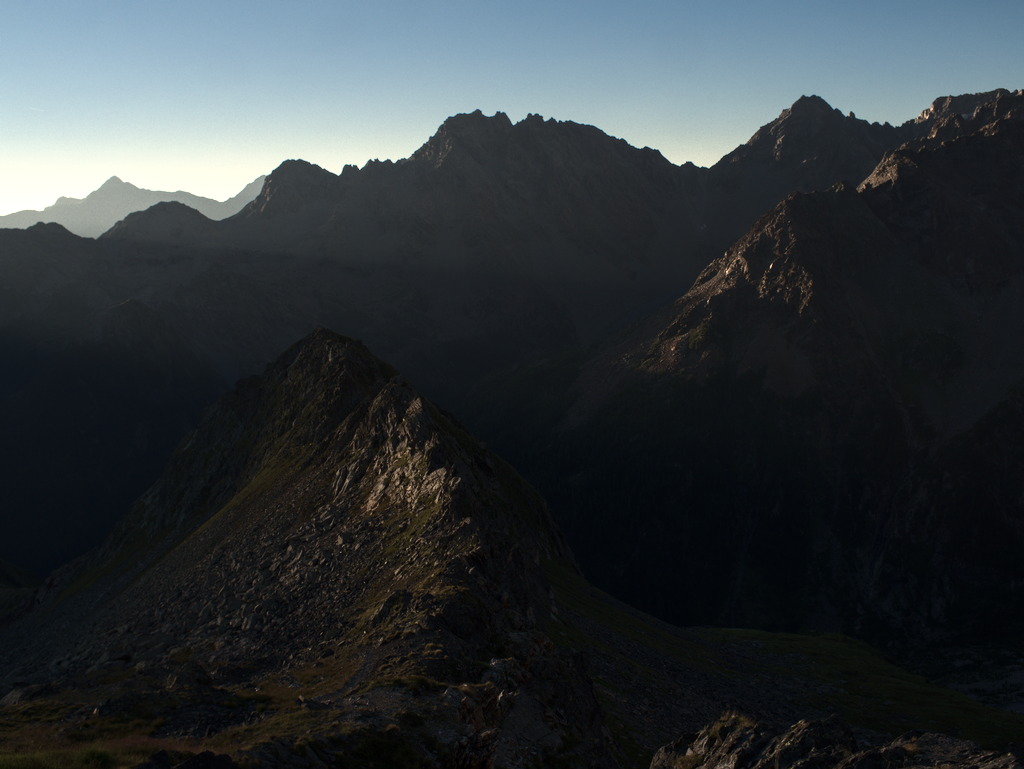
(737, 742)
(324, 517)
(966, 106)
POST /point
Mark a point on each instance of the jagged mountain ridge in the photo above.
(319, 417)
(510, 241)
(410, 268)
(806, 407)
(331, 566)
(326, 510)
(965, 106)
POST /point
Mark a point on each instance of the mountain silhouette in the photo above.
(806, 439)
(115, 199)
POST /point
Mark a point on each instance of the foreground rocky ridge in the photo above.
(332, 572)
(737, 741)
(325, 517)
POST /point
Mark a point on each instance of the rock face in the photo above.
(100, 210)
(810, 146)
(326, 512)
(166, 222)
(820, 413)
(965, 106)
(735, 741)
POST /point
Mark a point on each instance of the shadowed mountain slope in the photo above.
(499, 240)
(325, 510)
(332, 571)
(808, 437)
(88, 421)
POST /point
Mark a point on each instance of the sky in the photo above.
(207, 96)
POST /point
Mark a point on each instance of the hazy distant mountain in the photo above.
(98, 211)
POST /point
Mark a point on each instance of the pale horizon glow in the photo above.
(205, 98)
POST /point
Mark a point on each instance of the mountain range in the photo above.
(101, 209)
(779, 393)
(828, 388)
(332, 571)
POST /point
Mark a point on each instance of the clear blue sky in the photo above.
(205, 96)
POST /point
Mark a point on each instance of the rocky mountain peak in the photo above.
(809, 105)
(964, 105)
(326, 518)
(329, 463)
(810, 146)
(292, 186)
(802, 127)
(911, 281)
(473, 132)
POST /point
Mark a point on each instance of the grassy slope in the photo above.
(656, 683)
(781, 676)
